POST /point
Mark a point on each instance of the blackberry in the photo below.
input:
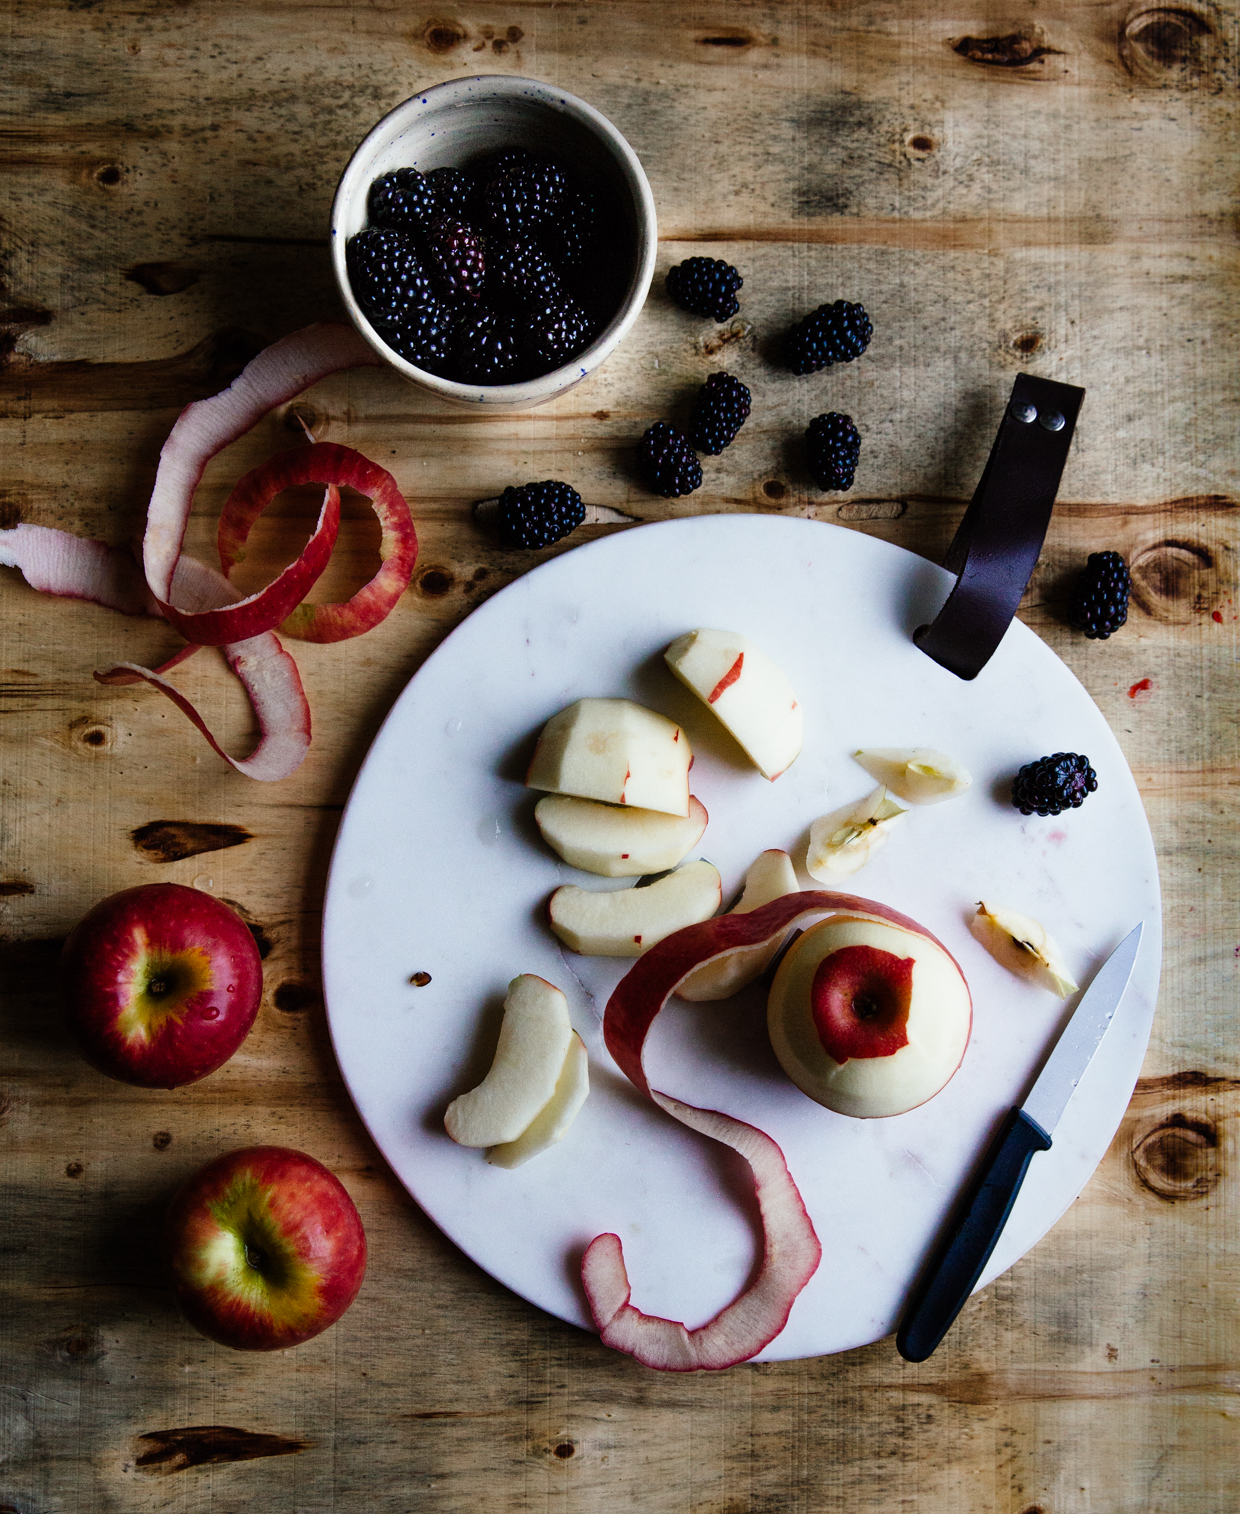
(667, 462)
(458, 254)
(1099, 603)
(487, 348)
(705, 286)
(425, 336)
(1052, 784)
(553, 332)
(524, 198)
(832, 447)
(521, 272)
(536, 515)
(454, 192)
(386, 274)
(571, 238)
(500, 160)
(831, 334)
(719, 412)
(403, 200)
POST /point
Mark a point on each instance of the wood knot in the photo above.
(1178, 1158)
(161, 1140)
(108, 175)
(92, 736)
(871, 509)
(434, 583)
(564, 1450)
(77, 1346)
(443, 36)
(160, 1452)
(730, 37)
(174, 840)
(1016, 50)
(774, 489)
(1172, 44)
(74, 1170)
(302, 418)
(1175, 580)
(292, 997)
(162, 278)
(920, 145)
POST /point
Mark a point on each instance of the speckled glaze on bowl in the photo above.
(448, 124)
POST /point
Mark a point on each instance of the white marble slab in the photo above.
(438, 868)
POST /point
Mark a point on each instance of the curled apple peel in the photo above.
(791, 1246)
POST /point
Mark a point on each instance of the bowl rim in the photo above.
(546, 386)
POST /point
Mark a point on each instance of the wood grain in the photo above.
(1044, 187)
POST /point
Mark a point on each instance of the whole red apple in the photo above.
(265, 1248)
(160, 984)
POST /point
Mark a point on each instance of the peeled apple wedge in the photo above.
(616, 751)
(841, 843)
(749, 693)
(770, 877)
(529, 1058)
(551, 1123)
(918, 775)
(629, 921)
(1019, 943)
(617, 841)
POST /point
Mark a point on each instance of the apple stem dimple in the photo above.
(255, 1257)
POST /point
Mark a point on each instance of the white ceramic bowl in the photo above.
(448, 124)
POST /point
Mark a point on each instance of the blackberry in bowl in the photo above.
(508, 210)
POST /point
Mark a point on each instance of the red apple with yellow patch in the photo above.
(265, 1249)
(161, 984)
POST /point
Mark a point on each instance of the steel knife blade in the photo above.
(974, 1228)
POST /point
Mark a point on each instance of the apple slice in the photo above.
(749, 693)
(629, 921)
(617, 841)
(551, 1123)
(770, 877)
(791, 1251)
(533, 1042)
(616, 751)
(842, 842)
(1021, 945)
(869, 1018)
(918, 775)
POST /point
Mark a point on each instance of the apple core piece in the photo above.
(1019, 943)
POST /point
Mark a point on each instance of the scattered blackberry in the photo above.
(454, 191)
(458, 254)
(718, 413)
(403, 200)
(424, 337)
(554, 332)
(387, 275)
(524, 198)
(1052, 784)
(831, 334)
(536, 515)
(487, 348)
(1100, 600)
(705, 286)
(667, 462)
(521, 272)
(832, 447)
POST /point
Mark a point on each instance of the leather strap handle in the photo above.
(996, 547)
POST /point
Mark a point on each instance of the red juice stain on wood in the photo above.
(1141, 689)
(1218, 615)
(728, 679)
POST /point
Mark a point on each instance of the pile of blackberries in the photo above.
(493, 273)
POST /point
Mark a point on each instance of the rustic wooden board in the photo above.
(1048, 186)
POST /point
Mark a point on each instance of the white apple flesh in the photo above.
(842, 842)
(529, 1057)
(616, 751)
(617, 841)
(918, 775)
(770, 877)
(749, 694)
(552, 1121)
(867, 1018)
(1021, 944)
(629, 921)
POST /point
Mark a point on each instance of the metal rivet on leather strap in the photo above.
(1028, 413)
(1052, 420)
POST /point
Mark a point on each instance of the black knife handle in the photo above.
(970, 1237)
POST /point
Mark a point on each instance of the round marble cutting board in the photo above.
(438, 869)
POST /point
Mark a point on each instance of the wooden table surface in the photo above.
(1048, 185)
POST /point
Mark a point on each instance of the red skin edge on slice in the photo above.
(728, 679)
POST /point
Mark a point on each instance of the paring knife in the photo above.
(975, 1227)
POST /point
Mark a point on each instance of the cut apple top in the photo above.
(615, 751)
(629, 921)
(617, 841)
(749, 693)
(868, 1018)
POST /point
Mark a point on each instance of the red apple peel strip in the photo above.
(791, 1247)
